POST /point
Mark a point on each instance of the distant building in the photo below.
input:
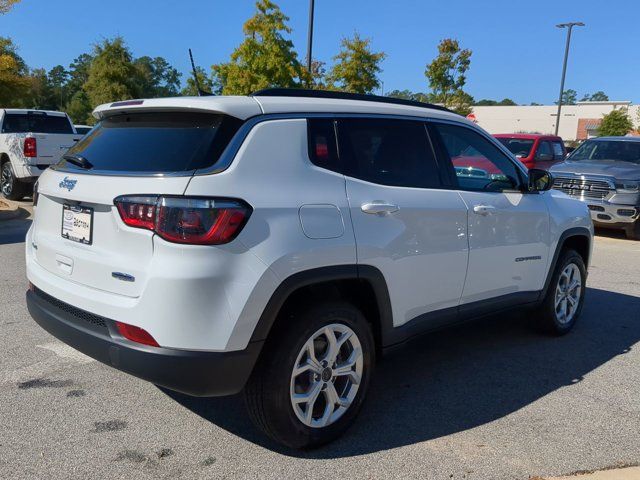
(578, 122)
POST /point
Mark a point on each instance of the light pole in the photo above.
(570, 25)
(310, 35)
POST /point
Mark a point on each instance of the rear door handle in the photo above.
(379, 208)
(483, 210)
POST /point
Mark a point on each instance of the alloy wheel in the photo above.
(568, 291)
(6, 180)
(326, 375)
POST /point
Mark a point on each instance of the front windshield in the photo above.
(623, 150)
(517, 146)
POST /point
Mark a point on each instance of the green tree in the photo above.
(357, 67)
(6, 5)
(205, 81)
(58, 78)
(615, 123)
(14, 81)
(79, 108)
(78, 105)
(41, 93)
(156, 78)
(599, 96)
(569, 97)
(447, 75)
(504, 102)
(264, 59)
(409, 95)
(485, 102)
(316, 78)
(112, 74)
(78, 73)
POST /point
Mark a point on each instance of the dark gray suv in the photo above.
(604, 172)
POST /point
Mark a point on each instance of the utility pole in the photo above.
(570, 26)
(310, 35)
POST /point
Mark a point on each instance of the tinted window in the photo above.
(558, 151)
(623, 150)
(478, 164)
(388, 152)
(156, 142)
(544, 151)
(35, 122)
(517, 146)
(322, 143)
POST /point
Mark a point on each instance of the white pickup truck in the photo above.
(31, 141)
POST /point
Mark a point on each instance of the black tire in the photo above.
(633, 231)
(267, 393)
(546, 316)
(10, 187)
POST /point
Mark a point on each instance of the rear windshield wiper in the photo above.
(78, 160)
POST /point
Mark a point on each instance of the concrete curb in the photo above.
(12, 212)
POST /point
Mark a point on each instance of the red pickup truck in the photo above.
(534, 150)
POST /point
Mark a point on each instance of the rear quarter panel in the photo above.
(272, 172)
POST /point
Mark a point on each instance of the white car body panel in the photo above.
(50, 146)
(509, 245)
(421, 249)
(433, 252)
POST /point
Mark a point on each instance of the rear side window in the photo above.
(156, 142)
(544, 151)
(558, 151)
(35, 122)
(323, 150)
(388, 152)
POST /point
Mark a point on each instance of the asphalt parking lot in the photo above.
(489, 400)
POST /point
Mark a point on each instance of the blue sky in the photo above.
(517, 51)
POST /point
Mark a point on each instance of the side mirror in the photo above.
(544, 157)
(539, 180)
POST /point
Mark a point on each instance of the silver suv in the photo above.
(605, 174)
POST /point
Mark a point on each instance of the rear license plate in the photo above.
(77, 223)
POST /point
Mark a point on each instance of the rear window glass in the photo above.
(35, 122)
(155, 142)
(517, 146)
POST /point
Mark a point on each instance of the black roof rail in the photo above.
(308, 93)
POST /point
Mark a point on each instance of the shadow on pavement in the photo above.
(460, 378)
(14, 230)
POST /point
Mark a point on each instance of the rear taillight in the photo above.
(30, 148)
(190, 220)
(136, 334)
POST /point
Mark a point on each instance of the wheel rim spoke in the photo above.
(334, 380)
(568, 293)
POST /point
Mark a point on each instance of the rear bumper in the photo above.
(195, 373)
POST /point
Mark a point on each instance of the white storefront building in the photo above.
(577, 122)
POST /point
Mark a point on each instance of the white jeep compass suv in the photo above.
(278, 243)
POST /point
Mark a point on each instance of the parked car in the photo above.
(534, 150)
(604, 173)
(82, 129)
(30, 141)
(278, 243)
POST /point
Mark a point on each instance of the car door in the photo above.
(406, 224)
(508, 229)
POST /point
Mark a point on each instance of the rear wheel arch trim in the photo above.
(320, 275)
